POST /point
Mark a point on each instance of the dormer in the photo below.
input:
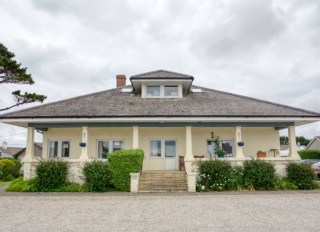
(161, 84)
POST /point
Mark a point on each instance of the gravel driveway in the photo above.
(257, 211)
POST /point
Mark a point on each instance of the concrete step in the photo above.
(163, 181)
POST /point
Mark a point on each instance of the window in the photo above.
(163, 148)
(65, 149)
(153, 90)
(226, 145)
(171, 91)
(155, 148)
(108, 146)
(59, 149)
(162, 91)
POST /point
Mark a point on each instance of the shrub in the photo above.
(301, 175)
(284, 184)
(122, 163)
(20, 185)
(309, 154)
(236, 182)
(9, 169)
(51, 174)
(97, 176)
(258, 174)
(215, 175)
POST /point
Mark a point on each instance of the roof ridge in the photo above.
(260, 100)
(161, 70)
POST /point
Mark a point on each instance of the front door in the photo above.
(170, 154)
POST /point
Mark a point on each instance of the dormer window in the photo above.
(161, 84)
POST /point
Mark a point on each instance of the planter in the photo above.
(220, 155)
(240, 144)
(82, 144)
(261, 154)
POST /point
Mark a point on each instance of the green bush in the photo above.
(301, 175)
(9, 169)
(236, 182)
(20, 185)
(214, 175)
(309, 154)
(258, 174)
(51, 174)
(97, 176)
(284, 184)
(122, 163)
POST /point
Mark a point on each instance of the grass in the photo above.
(4, 183)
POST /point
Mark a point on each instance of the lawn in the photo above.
(4, 183)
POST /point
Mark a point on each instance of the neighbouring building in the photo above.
(164, 114)
(314, 144)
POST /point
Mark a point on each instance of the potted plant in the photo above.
(261, 154)
(217, 147)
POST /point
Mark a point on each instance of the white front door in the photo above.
(170, 155)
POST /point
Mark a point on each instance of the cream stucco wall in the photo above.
(260, 138)
(255, 139)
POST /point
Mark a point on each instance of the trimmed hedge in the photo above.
(259, 174)
(9, 169)
(51, 174)
(301, 175)
(122, 163)
(97, 176)
(309, 154)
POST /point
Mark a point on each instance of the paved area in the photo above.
(251, 211)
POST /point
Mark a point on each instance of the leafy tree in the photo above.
(12, 72)
(284, 140)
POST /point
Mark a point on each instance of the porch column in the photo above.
(292, 143)
(84, 150)
(27, 160)
(135, 137)
(238, 138)
(188, 158)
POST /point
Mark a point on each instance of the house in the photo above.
(37, 152)
(166, 115)
(284, 149)
(314, 144)
(8, 152)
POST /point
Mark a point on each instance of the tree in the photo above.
(12, 72)
(284, 140)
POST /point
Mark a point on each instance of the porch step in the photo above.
(163, 181)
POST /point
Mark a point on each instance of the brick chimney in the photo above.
(121, 80)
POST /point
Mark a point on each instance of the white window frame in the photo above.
(110, 141)
(162, 91)
(162, 148)
(59, 151)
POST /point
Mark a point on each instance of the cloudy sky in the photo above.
(259, 48)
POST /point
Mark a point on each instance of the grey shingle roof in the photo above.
(114, 103)
(162, 74)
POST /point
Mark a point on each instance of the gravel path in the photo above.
(260, 211)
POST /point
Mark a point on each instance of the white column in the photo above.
(188, 158)
(135, 137)
(30, 145)
(84, 150)
(27, 160)
(292, 143)
(238, 138)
